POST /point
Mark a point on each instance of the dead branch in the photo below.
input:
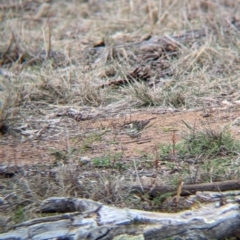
(189, 189)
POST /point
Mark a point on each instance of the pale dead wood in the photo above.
(93, 220)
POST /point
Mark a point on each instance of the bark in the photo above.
(86, 219)
(188, 189)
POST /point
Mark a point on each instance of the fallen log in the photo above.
(188, 189)
(86, 219)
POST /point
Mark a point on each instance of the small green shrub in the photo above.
(109, 161)
(208, 142)
(18, 214)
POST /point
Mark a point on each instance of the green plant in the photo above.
(109, 160)
(208, 142)
(18, 214)
(213, 151)
(214, 169)
(158, 200)
(103, 161)
(165, 150)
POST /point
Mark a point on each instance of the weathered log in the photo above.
(93, 220)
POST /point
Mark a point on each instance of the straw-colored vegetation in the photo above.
(106, 59)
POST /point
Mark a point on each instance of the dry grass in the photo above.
(49, 62)
(205, 67)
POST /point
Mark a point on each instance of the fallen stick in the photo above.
(189, 189)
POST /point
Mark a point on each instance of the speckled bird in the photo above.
(134, 128)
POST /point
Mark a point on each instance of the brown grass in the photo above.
(49, 64)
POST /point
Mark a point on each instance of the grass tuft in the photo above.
(208, 142)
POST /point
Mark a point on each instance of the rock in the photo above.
(84, 160)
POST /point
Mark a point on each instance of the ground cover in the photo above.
(75, 77)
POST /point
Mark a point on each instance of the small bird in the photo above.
(134, 128)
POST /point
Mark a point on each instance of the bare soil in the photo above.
(159, 131)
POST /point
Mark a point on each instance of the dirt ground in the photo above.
(159, 131)
(74, 73)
